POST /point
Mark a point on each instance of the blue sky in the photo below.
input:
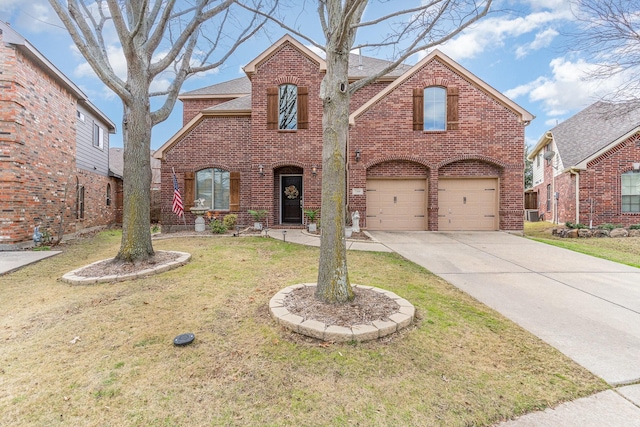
(518, 49)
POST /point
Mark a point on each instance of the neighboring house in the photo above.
(431, 146)
(587, 169)
(54, 145)
(116, 169)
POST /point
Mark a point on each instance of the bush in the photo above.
(217, 227)
(571, 225)
(608, 226)
(634, 227)
(230, 221)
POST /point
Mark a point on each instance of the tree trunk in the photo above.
(333, 278)
(136, 217)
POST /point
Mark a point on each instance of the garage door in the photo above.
(396, 204)
(468, 204)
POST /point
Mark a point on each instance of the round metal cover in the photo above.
(183, 339)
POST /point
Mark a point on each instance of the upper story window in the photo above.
(630, 192)
(213, 185)
(98, 136)
(287, 107)
(435, 108)
(80, 116)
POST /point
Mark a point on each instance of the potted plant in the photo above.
(311, 216)
(258, 216)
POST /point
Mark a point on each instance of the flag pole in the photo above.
(184, 219)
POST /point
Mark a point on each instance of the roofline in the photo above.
(213, 96)
(525, 116)
(544, 140)
(159, 153)
(11, 36)
(583, 163)
(250, 68)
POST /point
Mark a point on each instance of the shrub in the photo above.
(608, 226)
(570, 224)
(217, 227)
(230, 221)
(258, 215)
(634, 227)
(311, 214)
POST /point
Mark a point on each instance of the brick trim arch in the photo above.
(287, 80)
(414, 159)
(283, 163)
(467, 157)
(202, 166)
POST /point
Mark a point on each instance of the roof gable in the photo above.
(524, 115)
(250, 68)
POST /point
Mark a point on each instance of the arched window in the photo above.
(630, 185)
(435, 108)
(108, 194)
(287, 107)
(213, 186)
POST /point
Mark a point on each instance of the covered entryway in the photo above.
(396, 204)
(469, 204)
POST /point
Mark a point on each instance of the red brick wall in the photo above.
(192, 107)
(37, 153)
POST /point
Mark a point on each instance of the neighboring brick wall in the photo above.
(489, 142)
(37, 153)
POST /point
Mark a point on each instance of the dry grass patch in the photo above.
(460, 364)
(625, 250)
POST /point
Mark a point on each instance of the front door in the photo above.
(291, 196)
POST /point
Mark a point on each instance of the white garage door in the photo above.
(468, 204)
(396, 204)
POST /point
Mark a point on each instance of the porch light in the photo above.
(261, 170)
(358, 154)
(314, 170)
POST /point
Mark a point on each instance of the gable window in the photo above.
(108, 194)
(630, 192)
(213, 186)
(98, 136)
(435, 108)
(287, 107)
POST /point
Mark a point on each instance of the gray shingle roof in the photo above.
(593, 129)
(242, 103)
(230, 87)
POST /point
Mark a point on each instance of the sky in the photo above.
(520, 49)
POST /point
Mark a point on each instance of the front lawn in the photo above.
(103, 354)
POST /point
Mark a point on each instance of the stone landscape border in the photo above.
(75, 278)
(334, 333)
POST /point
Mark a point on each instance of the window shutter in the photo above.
(418, 109)
(452, 108)
(234, 191)
(303, 108)
(272, 108)
(189, 189)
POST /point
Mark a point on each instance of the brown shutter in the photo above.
(452, 108)
(303, 108)
(272, 108)
(234, 191)
(189, 190)
(418, 109)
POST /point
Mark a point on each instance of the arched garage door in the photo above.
(467, 204)
(396, 204)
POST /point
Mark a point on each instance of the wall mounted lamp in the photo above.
(261, 170)
(358, 154)
(314, 170)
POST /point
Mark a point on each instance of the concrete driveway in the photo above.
(586, 307)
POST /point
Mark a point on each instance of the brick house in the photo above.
(587, 169)
(431, 146)
(54, 146)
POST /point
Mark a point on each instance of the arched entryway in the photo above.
(288, 194)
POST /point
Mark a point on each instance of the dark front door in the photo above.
(291, 195)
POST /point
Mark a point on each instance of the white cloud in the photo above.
(35, 16)
(116, 58)
(542, 40)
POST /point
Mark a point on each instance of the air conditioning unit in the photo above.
(532, 215)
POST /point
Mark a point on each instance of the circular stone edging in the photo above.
(75, 279)
(334, 333)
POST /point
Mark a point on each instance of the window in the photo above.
(80, 116)
(98, 136)
(435, 108)
(108, 194)
(79, 200)
(538, 157)
(630, 192)
(548, 197)
(213, 186)
(287, 107)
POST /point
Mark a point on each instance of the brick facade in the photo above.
(38, 174)
(489, 141)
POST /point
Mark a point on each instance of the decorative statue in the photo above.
(199, 203)
(355, 221)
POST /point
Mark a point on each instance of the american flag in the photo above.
(178, 207)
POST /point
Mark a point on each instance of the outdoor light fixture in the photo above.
(284, 235)
(261, 170)
(358, 154)
(314, 170)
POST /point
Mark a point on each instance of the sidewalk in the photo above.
(302, 237)
(13, 260)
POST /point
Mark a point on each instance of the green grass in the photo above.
(624, 250)
(460, 364)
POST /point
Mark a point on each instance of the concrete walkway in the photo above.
(12, 260)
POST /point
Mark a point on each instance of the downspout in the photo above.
(577, 174)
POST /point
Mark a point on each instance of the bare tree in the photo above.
(410, 30)
(609, 33)
(160, 39)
